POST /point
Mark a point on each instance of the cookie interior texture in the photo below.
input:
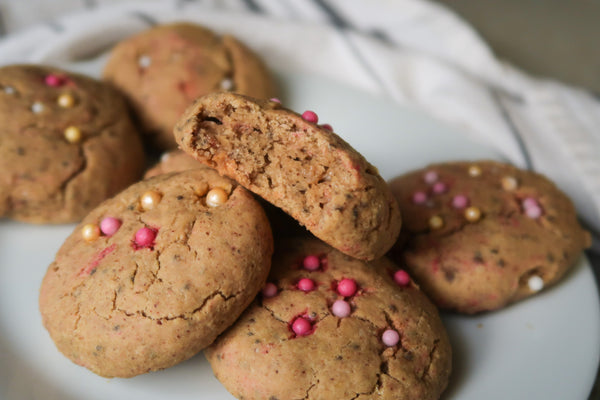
(302, 168)
(501, 256)
(122, 307)
(66, 143)
(261, 356)
(163, 69)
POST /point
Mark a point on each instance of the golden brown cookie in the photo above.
(174, 161)
(66, 144)
(480, 235)
(297, 165)
(153, 275)
(328, 326)
(163, 69)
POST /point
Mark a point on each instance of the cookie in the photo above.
(153, 275)
(66, 144)
(173, 161)
(328, 326)
(297, 165)
(163, 69)
(480, 235)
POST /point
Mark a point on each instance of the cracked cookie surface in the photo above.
(480, 235)
(66, 144)
(303, 168)
(163, 69)
(153, 275)
(328, 326)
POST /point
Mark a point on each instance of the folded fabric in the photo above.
(413, 51)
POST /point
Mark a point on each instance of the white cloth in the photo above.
(413, 51)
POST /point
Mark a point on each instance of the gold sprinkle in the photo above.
(215, 197)
(150, 199)
(90, 232)
(472, 214)
(509, 183)
(436, 222)
(202, 189)
(474, 171)
(73, 134)
(66, 100)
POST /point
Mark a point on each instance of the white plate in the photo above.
(546, 347)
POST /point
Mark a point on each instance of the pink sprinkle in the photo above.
(275, 100)
(310, 116)
(390, 338)
(340, 308)
(306, 284)
(430, 177)
(460, 201)
(529, 202)
(533, 212)
(347, 287)
(109, 226)
(402, 278)
(301, 326)
(54, 80)
(439, 187)
(144, 237)
(328, 127)
(419, 197)
(270, 290)
(311, 263)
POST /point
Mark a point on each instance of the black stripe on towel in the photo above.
(342, 25)
(2, 25)
(145, 18)
(253, 6)
(513, 128)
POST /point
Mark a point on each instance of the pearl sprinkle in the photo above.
(419, 197)
(109, 226)
(436, 222)
(150, 199)
(90, 232)
(216, 197)
(37, 107)
(347, 287)
(310, 116)
(65, 100)
(226, 84)
(144, 61)
(72, 134)
(301, 326)
(532, 208)
(474, 171)
(430, 177)
(535, 283)
(460, 201)
(390, 338)
(306, 285)
(472, 214)
(401, 277)
(341, 308)
(509, 183)
(269, 290)
(144, 237)
(311, 263)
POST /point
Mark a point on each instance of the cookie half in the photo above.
(297, 165)
(328, 326)
(66, 144)
(163, 69)
(480, 235)
(153, 275)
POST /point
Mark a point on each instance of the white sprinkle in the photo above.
(9, 90)
(226, 84)
(37, 107)
(535, 283)
(165, 156)
(144, 61)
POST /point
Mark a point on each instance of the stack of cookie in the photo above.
(198, 255)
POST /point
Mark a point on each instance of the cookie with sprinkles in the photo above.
(296, 164)
(66, 144)
(328, 326)
(480, 235)
(153, 275)
(163, 69)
